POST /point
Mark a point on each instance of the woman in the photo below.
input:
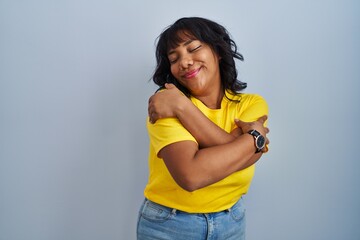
(205, 137)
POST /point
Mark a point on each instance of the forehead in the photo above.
(180, 37)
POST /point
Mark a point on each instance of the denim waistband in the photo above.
(174, 210)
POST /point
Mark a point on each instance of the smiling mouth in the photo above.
(191, 74)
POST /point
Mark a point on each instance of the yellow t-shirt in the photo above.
(162, 188)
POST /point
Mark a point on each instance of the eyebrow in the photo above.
(185, 44)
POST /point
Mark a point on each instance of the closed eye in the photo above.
(172, 61)
(194, 49)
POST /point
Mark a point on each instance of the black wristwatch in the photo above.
(259, 140)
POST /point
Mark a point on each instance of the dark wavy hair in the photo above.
(204, 30)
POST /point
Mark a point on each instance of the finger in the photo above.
(154, 117)
(238, 122)
(169, 85)
(150, 99)
(265, 149)
(263, 118)
(151, 118)
(152, 113)
(267, 130)
(150, 110)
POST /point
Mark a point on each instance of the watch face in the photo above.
(260, 142)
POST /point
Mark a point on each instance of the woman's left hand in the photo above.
(165, 103)
(258, 125)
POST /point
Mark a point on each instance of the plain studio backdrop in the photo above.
(74, 86)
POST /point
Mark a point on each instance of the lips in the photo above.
(191, 74)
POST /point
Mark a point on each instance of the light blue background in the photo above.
(73, 102)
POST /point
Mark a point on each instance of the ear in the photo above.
(217, 57)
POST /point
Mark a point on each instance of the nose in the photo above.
(185, 62)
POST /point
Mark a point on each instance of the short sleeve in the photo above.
(254, 108)
(167, 131)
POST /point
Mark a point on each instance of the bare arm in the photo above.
(172, 103)
(193, 169)
(221, 153)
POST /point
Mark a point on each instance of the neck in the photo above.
(212, 101)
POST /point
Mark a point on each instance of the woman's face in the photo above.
(195, 65)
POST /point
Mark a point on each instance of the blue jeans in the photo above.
(160, 222)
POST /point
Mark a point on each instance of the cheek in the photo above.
(174, 70)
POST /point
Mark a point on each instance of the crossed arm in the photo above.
(219, 153)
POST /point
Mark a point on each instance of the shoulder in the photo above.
(246, 98)
(251, 106)
(251, 98)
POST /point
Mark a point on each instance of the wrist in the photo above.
(259, 140)
(250, 142)
(182, 106)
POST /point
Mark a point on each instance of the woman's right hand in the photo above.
(165, 103)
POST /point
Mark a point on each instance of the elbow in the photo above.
(188, 187)
(189, 184)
